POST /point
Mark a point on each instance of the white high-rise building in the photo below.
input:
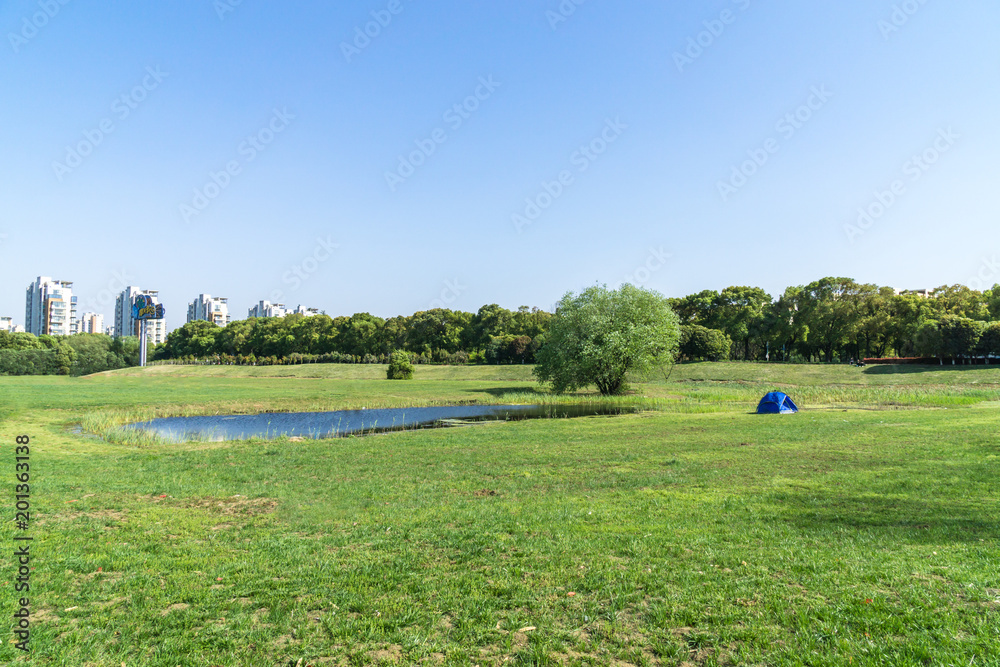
(308, 312)
(6, 323)
(267, 309)
(125, 325)
(212, 310)
(92, 323)
(50, 307)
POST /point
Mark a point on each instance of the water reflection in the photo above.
(354, 422)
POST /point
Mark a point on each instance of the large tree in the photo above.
(740, 314)
(601, 336)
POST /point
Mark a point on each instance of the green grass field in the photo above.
(861, 531)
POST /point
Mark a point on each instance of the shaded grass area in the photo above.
(865, 537)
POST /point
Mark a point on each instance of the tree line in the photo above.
(832, 319)
(492, 335)
(26, 354)
(838, 319)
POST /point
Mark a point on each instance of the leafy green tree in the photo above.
(872, 334)
(785, 324)
(992, 297)
(907, 312)
(29, 361)
(437, 329)
(393, 334)
(194, 339)
(360, 335)
(490, 322)
(19, 341)
(960, 301)
(701, 308)
(601, 336)
(313, 335)
(740, 313)
(832, 310)
(94, 354)
(928, 340)
(989, 341)
(530, 322)
(698, 342)
(126, 348)
(234, 338)
(959, 335)
(400, 367)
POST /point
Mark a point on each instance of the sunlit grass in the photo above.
(861, 531)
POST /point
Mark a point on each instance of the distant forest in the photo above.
(833, 319)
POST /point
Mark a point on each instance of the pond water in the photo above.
(354, 422)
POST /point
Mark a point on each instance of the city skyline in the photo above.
(391, 156)
(204, 307)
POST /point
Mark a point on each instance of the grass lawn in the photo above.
(862, 531)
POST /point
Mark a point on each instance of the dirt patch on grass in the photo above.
(44, 615)
(392, 654)
(234, 505)
(179, 606)
(485, 493)
(100, 515)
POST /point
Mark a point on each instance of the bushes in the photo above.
(29, 362)
(698, 342)
(400, 367)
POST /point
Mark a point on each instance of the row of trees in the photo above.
(827, 320)
(82, 354)
(839, 318)
(492, 335)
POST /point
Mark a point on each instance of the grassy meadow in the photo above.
(864, 530)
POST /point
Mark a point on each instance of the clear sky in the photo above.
(254, 150)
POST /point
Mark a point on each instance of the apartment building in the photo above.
(267, 309)
(92, 323)
(209, 309)
(50, 307)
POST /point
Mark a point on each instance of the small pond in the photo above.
(354, 422)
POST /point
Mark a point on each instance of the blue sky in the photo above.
(242, 149)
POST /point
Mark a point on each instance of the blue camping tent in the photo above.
(776, 402)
